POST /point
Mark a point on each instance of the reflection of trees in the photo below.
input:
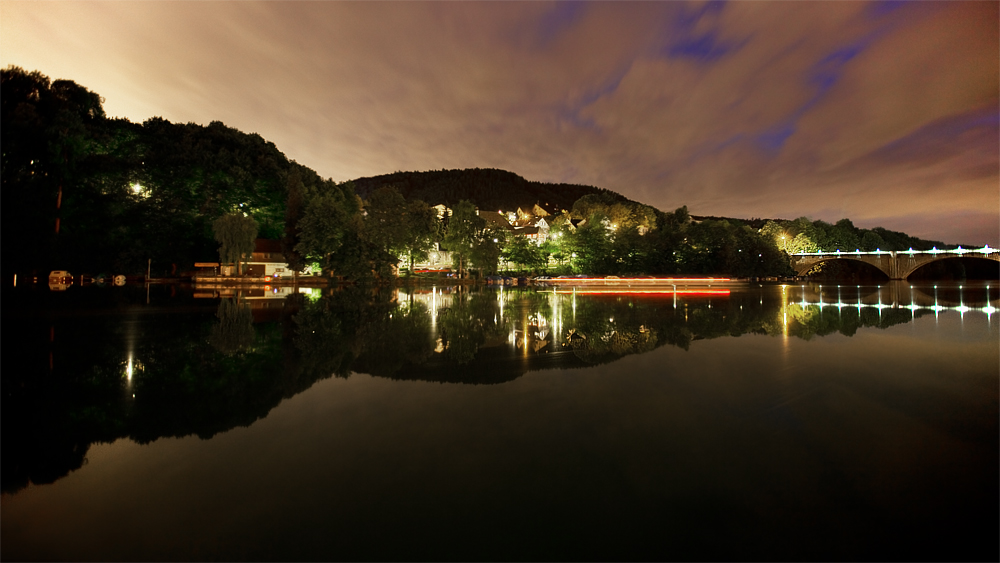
(810, 321)
(613, 345)
(234, 333)
(187, 385)
(471, 322)
(203, 374)
(356, 329)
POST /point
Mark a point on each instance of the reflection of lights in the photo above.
(692, 292)
(132, 369)
(936, 308)
(651, 281)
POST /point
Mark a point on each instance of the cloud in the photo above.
(743, 109)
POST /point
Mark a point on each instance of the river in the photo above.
(754, 421)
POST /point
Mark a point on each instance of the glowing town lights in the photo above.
(129, 369)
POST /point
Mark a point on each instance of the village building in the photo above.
(496, 219)
(442, 211)
(527, 221)
(267, 260)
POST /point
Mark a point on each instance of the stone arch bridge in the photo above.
(895, 264)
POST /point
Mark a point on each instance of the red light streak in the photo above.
(673, 281)
(689, 292)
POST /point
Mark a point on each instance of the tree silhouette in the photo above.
(236, 234)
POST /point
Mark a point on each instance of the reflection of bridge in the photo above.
(896, 265)
(896, 295)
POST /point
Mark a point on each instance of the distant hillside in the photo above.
(487, 188)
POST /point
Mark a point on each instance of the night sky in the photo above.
(885, 113)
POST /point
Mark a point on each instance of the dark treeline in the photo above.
(81, 190)
(88, 193)
(99, 367)
(487, 188)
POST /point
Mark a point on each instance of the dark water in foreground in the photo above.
(795, 422)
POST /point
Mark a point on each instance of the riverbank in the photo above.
(231, 281)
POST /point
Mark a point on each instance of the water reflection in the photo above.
(214, 362)
(234, 332)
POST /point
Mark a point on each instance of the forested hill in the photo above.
(84, 192)
(488, 188)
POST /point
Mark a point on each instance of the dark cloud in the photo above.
(882, 112)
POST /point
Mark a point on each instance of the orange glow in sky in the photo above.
(884, 113)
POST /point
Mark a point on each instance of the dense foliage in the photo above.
(90, 194)
(487, 188)
(803, 235)
(235, 234)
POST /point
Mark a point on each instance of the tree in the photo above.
(592, 245)
(234, 333)
(633, 253)
(294, 211)
(486, 248)
(524, 253)
(322, 228)
(423, 228)
(386, 227)
(47, 135)
(681, 216)
(236, 234)
(619, 214)
(871, 241)
(802, 243)
(776, 235)
(464, 226)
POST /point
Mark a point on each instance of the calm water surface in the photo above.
(749, 422)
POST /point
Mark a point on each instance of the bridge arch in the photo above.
(803, 267)
(971, 267)
(896, 265)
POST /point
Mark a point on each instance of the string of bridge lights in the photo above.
(936, 308)
(959, 251)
